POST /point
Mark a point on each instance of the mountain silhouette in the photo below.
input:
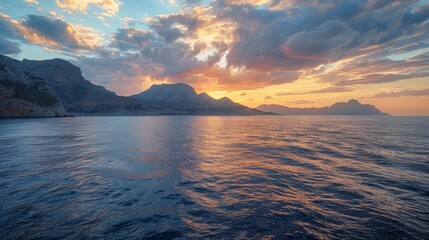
(352, 107)
(183, 96)
(78, 96)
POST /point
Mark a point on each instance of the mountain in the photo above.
(79, 95)
(23, 94)
(71, 92)
(178, 92)
(182, 98)
(352, 107)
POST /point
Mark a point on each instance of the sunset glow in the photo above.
(293, 53)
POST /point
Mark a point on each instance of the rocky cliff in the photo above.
(23, 94)
(79, 95)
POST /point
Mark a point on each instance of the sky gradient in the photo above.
(298, 53)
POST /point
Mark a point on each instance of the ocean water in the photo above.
(196, 177)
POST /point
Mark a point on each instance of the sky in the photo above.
(298, 53)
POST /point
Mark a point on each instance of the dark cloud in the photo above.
(381, 78)
(366, 70)
(55, 29)
(7, 28)
(421, 14)
(259, 37)
(348, 27)
(175, 26)
(53, 33)
(322, 43)
(126, 39)
(170, 34)
(175, 59)
(268, 97)
(8, 47)
(420, 92)
(60, 32)
(9, 35)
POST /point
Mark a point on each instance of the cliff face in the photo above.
(25, 95)
(76, 93)
(64, 81)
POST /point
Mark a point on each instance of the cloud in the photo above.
(232, 80)
(348, 29)
(419, 15)
(57, 33)
(323, 43)
(365, 70)
(192, 25)
(420, 92)
(301, 102)
(175, 59)
(248, 2)
(381, 78)
(268, 97)
(331, 89)
(110, 7)
(8, 47)
(124, 74)
(174, 26)
(54, 33)
(243, 44)
(8, 27)
(32, 1)
(126, 39)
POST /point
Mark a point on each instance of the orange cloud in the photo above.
(53, 33)
(111, 7)
(32, 1)
(249, 2)
(59, 34)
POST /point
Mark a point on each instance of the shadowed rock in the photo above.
(24, 95)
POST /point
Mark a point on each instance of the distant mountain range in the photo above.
(352, 107)
(56, 87)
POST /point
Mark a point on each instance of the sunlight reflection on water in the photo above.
(215, 177)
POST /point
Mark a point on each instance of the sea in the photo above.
(215, 177)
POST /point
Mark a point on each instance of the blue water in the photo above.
(184, 177)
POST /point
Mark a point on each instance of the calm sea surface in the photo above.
(184, 177)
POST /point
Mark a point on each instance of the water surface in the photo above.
(185, 177)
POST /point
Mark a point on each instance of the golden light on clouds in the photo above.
(110, 7)
(294, 53)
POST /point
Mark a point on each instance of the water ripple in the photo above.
(179, 177)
